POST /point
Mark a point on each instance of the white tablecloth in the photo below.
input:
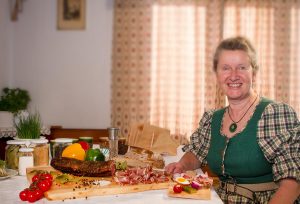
(10, 188)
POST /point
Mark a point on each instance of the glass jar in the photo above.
(40, 152)
(25, 159)
(11, 153)
(59, 145)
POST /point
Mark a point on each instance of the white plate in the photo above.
(10, 172)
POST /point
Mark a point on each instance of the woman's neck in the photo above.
(238, 106)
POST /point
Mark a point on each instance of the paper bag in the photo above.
(153, 138)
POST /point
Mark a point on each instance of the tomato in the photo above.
(31, 196)
(47, 176)
(84, 145)
(23, 194)
(36, 177)
(44, 185)
(177, 188)
(74, 151)
(38, 193)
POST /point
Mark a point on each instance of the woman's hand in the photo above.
(288, 191)
(174, 167)
(188, 162)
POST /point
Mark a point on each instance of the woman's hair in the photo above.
(236, 43)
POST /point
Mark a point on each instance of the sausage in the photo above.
(84, 168)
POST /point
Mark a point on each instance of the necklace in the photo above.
(233, 126)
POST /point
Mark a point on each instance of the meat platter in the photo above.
(83, 186)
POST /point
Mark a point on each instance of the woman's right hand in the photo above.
(174, 167)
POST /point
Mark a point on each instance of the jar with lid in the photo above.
(40, 152)
(25, 159)
(59, 145)
(11, 153)
(113, 142)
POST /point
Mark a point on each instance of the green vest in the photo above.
(244, 160)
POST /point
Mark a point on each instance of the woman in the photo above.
(253, 144)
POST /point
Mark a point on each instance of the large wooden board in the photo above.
(73, 190)
(202, 194)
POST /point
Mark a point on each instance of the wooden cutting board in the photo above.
(202, 194)
(75, 190)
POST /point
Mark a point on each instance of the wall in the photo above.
(66, 72)
(5, 45)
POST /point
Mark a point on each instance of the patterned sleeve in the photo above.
(279, 138)
(200, 139)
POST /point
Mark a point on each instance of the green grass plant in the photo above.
(29, 127)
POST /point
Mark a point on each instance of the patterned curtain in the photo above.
(162, 57)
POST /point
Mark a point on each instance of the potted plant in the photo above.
(14, 100)
(28, 126)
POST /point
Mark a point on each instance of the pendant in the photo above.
(232, 127)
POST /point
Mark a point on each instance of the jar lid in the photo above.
(16, 142)
(63, 140)
(24, 149)
(39, 141)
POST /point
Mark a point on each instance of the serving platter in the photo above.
(10, 173)
(75, 190)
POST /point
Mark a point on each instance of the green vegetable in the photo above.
(94, 155)
(121, 165)
(65, 178)
(189, 189)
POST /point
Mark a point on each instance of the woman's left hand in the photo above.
(288, 192)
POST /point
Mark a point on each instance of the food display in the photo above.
(193, 187)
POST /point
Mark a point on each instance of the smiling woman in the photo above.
(252, 143)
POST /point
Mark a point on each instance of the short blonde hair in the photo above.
(236, 43)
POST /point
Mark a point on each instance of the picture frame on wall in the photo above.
(71, 14)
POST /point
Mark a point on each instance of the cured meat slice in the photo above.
(84, 168)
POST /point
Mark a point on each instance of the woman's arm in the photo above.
(187, 162)
(288, 192)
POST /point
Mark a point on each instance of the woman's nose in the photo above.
(234, 73)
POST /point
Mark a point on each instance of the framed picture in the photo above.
(71, 14)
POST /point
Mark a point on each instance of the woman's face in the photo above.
(235, 74)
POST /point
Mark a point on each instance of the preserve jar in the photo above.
(11, 153)
(59, 145)
(40, 152)
(25, 159)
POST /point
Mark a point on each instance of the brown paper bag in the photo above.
(153, 138)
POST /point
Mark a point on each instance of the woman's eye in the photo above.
(226, 68)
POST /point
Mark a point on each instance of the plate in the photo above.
(10, 172)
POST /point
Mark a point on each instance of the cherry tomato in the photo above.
(24, 194)
(31, 196)
(36, 177)
(44, 185)
(177, 188)
(47, 176)
(38, 193)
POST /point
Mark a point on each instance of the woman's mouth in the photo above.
(235, 85)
